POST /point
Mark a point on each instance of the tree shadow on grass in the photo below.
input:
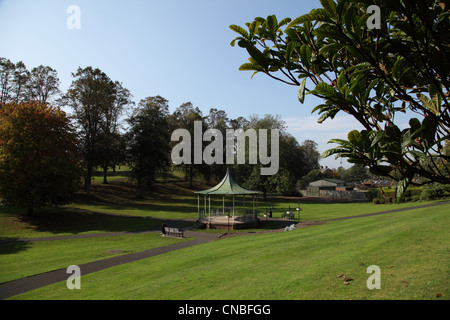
(63, 221)
(9, 245)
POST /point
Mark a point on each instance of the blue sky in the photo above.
(179, 49)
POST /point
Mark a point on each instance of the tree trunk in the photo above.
(30, 212)
(88, 179)
(87, 184)
(105, 170)
(140, 193)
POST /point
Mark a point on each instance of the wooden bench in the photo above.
(171, 231)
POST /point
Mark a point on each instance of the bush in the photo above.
(372, 194)
(435, 191)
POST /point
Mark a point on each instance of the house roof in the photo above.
(327, 182)
(227, 186)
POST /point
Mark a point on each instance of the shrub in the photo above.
(434, 191)
(372, 194)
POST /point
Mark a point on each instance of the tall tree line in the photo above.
(112, 130)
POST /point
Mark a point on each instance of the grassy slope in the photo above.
(411, 248)
(44, 256)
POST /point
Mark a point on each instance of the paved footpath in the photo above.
(15, 287)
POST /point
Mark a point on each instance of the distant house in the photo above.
(333, 189)
(327, 184)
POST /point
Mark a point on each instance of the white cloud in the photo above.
(307, 128)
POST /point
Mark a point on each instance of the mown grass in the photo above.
(176, 200)
(61, 222)
(411, 248)
(23, 259)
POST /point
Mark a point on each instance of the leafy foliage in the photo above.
(148, 141)
(39, 159)
(370, 74)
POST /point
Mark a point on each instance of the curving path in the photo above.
(15, 287)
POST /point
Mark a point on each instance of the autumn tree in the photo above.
(39, 159)
(374, 72)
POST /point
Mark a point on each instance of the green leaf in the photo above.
(301, 91)
(313, 15)
(354, 137)
(330, 7)
(306, 55)
(379, 136)
(284, 22)
(428, 134)
(257, 55)
(290, 49)
(381, 170)
(240, 30)
(428, 103)
(435, 98)
(328, 114)
(403, 184)
(272, 25)
(325, 89)
(250, 67)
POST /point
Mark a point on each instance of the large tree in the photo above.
(148, 139)
(39, 159)
(184, 117)
(109, 149)
(42, 84)
(374, 66)
(92, 96)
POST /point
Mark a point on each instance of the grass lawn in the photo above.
(176, 200)
(412, 249)
(57, 222)
(23, 259)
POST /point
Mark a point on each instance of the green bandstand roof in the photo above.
(227, 186)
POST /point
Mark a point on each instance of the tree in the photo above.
(109, 144)
(315, 175)
(183, 118)
(356, 173)
(252, 172)
(148, 139)
(91, 95)
(17, 84)
(311, 155)
(43, 84)
(6, 80)
(39, 159)
(19, 80)
(372, 74)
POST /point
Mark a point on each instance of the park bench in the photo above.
(173, 231)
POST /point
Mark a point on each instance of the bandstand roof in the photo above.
(227, 186)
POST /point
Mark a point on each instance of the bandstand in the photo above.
(233, 212)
